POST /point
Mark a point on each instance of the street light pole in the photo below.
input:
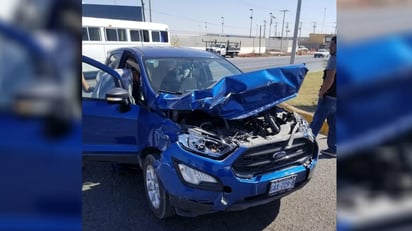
(270, 24)
(223, 21)
(314, 27)
(295, 33)
(283, 24)
(205, 28)
(251, 17)
(264, 29)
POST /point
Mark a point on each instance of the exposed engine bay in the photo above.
(215, 136)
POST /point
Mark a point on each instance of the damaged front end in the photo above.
(236, 149)
(215, 137)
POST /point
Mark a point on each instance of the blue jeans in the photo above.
(326, 110)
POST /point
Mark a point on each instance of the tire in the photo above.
(156, 196)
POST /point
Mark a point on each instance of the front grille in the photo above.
(258, 160)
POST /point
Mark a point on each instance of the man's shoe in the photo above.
(328, 152)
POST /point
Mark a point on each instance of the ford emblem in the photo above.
(279, 155)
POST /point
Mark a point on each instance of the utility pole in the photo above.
(251, 17)
(150, 10)
(283, 24)
(276, 29)
(300, 30)
(295, 32)
(142, 9)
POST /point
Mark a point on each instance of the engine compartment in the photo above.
(269, 123)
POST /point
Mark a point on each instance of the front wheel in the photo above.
(156, 196)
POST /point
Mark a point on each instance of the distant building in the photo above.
(131, 13)
(316, 41)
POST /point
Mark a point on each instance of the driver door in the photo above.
(109, 130)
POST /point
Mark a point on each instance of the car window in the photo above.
(186, 73)
(113, 60)
(95, 82)
(219, 70)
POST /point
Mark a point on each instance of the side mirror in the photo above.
(117, 95)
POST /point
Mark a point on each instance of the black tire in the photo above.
(161, 208)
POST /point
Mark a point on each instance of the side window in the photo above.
(121, 34)
(113, 60)
(111, 34)
(96, 83)
(94, 34)
(145, 34)
(155, 36)
(164, 36)
(85, 35)
(116, 34)
(135, 35)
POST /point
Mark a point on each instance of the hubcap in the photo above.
(152, 185)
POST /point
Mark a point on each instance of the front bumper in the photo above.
(235, 193)
(191, 208)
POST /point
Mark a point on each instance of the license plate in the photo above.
(282, 184)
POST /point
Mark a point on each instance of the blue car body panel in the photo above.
(107, 131)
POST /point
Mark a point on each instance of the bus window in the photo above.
(155, 36)
(116, 34)
(135, 35)
(164, 37)
(85, 36)
(145, 36)
(94, 34)
(121, 34)
(111, 34)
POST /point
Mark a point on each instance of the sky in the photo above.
(197, 17)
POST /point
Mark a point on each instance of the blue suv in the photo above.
(207, 136)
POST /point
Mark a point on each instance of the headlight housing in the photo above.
(205, 143)
(193, 176)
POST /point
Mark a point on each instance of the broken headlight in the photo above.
(204, 143)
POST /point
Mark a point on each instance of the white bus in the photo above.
(101, 35)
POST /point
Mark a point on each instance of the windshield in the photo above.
(179, 75)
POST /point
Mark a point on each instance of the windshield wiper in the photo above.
(171, 92)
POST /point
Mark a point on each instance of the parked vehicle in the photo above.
(208, 137)
(302, 50)
(100, 35)
(321, 53)
(227, 48)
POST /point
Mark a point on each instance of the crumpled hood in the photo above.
(240, 96)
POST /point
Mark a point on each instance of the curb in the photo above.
(307, 115)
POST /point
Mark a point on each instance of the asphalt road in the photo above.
(113, 199)
(257, 63)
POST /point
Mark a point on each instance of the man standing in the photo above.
(326, 108)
